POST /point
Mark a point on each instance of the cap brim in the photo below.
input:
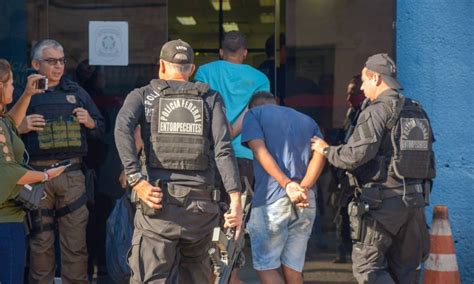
(392, 82)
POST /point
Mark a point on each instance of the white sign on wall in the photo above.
(108, 43)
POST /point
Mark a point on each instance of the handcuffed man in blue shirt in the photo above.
(283, 206)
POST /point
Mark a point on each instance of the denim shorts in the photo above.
(279, 234)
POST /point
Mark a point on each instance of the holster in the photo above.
(372, 196)
(147, 210)
(34, 221)
(90, 178)
(30, 196)
(356, 210)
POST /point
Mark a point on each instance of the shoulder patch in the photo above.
(364, 132)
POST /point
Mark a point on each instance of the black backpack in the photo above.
(412, 141)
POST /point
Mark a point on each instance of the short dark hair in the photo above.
(270, 44)
(260, 95)
(233, 41)
(356, 80)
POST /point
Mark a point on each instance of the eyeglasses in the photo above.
(54, 61)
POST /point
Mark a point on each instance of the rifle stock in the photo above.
(226, 252)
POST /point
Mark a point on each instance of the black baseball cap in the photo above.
(174, 47)
(384, 65)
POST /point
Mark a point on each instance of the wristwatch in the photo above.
(133, 179)
(326, 151)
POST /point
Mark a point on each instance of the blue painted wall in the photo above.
(435, 56)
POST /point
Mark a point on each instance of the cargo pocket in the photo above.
(76, 186)
(178, 195)
(373, 234)
(425, 237)
(133, 259)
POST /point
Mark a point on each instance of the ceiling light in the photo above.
(267, 3)
(267, 18)
(186, 21)
(230, 26)
(225, 5)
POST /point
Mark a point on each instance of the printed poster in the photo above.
(108, 43)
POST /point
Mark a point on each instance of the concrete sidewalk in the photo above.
(318, 267)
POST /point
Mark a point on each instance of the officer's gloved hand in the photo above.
(151, 195)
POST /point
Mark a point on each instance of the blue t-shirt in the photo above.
(236, 83)
(287, 135)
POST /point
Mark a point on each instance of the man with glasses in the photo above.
(56, 128)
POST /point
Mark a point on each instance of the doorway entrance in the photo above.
(318, 45)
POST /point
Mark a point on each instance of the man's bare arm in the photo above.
(269, 164)
(295, 192)
(315, 167)
(236, 127)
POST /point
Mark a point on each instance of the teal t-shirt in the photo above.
(236, 83)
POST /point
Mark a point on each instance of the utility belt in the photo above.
(374, 195)
(43, 165)
(31, 195)
(34, 216)
(371, 198)
(177, 195)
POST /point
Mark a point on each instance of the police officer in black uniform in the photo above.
(184, 131)
(342, 194)
(55, 129)
(388, 226)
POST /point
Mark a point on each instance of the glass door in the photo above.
(327, 43)
(203, 24)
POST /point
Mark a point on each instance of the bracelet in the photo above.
(45, 178)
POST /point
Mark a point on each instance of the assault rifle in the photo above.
(226, 252)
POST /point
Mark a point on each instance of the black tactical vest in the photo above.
(180, 128)
(62, 134)
(412, 141)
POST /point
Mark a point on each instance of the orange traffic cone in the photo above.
(441, 265)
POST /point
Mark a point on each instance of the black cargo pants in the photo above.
(394, 242)
(171, 246)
